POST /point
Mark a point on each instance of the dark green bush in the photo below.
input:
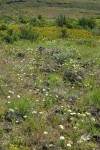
(87, 23)
(3, 27)
(40, 17)
(23, 20)
(28, 33)
(61, 21)
(11, 36)
(40, 22)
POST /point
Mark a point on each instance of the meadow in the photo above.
(50, 9)
(49, 77)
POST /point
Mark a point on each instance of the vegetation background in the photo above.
(49, 75)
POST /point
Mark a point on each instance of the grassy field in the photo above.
(50, 8)
(50, 95)
(49, 75)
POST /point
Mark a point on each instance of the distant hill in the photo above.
(50, 8)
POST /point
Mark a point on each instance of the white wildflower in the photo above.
(68, 145)
(11, 110)
(34, 112)
(71, 118)
(69, 110)
(79, 114)
(17, 121)
(46, 94)
(75, 128)
(61, 127)
(93, 119)
(72, 114)
(43, 90)
(88, 114)
(18, 96)
(11, 92)
(25, 116)
(51, 145)
(45, 132)
(37, 100)
(41, 112)
(9, 96)
(62, 138)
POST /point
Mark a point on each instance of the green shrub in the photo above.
(11, 36)
(87, 23)
(28, 33)
(40, 22)
(61, 21)
(64, 56)
(23, 20)
(3, 27)
(71, 24)
(40, 17)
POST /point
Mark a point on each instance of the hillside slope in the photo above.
(50, 8)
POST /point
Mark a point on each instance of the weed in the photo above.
(64, 33)
(95, 97)
(21, 106)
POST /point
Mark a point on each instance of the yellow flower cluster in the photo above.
(80, 33)
(48, 32)
(54, 32)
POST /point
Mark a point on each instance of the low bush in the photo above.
(87, 23)
(28, 33)
(61, 21)
(11, 36)
(3, 27)
(39, 21)
(23, 20)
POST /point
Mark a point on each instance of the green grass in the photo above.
(49, 99)
(42, 100)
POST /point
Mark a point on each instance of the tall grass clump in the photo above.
(21, 106)
(95, 97)
(64, 33)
